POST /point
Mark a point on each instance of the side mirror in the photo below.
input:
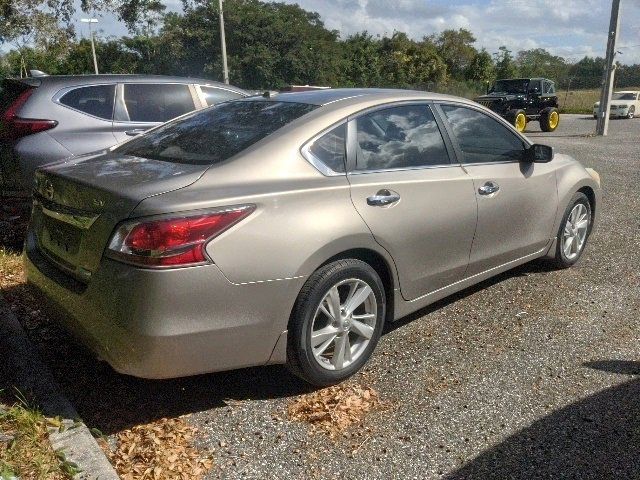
(537, 153)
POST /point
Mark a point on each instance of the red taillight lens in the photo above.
(13, 127)
(175, 241)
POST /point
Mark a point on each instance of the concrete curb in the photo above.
(20, 362)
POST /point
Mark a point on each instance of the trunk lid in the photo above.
(79, 202)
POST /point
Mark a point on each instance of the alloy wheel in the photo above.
(343, 324)
(575, 231)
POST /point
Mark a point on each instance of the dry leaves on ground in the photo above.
(334, 409)
(162, 449)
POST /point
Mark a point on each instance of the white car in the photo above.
(623, 105)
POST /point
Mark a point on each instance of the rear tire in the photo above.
(336, 322)
(572, 236)
(549, 119)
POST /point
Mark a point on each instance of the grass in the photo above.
(11, 272)
(25, 451)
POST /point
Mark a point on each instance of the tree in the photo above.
(505, 66)
(456, 48)
(481, 68)
(540, 63)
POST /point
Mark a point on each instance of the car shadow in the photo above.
(597, 437)
(534, 267)
(112, 402)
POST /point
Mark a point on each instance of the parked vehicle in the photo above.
(522, 100)
(623, 105)
(290, 229)
(48, 118)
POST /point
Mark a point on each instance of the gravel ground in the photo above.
(532, 374)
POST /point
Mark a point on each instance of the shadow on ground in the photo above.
(112, 402)
(595, 438)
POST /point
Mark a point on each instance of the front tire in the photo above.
(518, 118)
(574, 231)
(549, 119)
(336, 322)
(631, 113)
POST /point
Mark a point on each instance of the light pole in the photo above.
(223, 46)
(607, 82)
(93, 46)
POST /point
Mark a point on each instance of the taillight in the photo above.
(13, 127)
(175, 241)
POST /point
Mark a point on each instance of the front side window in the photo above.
(482, 138)
(215, 134)
(155, 103)
(330, 149)
(399, 137)
(213, 95)
(549, 88)
(96, 100)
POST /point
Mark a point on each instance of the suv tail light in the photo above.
(175, 241)
(13, 127)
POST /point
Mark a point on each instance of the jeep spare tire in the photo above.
(549, 119)
(517, 118)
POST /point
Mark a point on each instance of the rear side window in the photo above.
(151, 103)
(481, 138)
(399, 137)
(96, 100)
(215, 134)
(213, 95)
(330, 150)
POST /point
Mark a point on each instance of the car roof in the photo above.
(335, 95)
(73, 80)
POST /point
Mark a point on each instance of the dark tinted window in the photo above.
(213, 95)
(157, 102)
(330, 148)
(481, 138)
(9, 93)
(96, 100)
(215, 134)
(399, 137)
(549, 87)
(535, 86)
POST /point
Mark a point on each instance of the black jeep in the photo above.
(521, 100)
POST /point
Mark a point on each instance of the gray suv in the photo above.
(49, 118)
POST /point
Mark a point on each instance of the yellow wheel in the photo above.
(520, 122)
(549, 119)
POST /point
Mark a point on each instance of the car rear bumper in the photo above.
(166, 323)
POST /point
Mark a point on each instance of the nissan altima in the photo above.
(290, 228)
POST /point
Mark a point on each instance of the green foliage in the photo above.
(505, 65)
(269, 46)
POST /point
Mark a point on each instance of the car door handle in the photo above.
(488, 188)
(133, 133)
(382, 198)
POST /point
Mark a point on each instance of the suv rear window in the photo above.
(215, 134)
(96, 100)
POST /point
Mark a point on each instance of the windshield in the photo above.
(623, 96)
(215, 134)
(510, 86)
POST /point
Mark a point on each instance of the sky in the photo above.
(570, 28)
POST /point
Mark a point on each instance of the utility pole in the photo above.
(223, 46)
(609, 72)
(93, 46)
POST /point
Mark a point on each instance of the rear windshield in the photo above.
(9, 93)
(215, 134)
